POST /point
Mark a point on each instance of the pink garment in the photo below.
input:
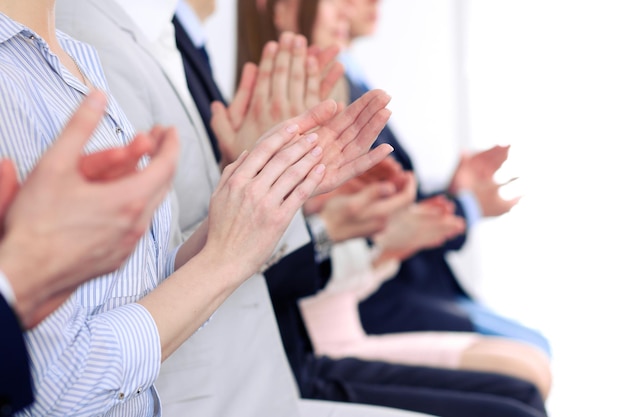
(334, 325)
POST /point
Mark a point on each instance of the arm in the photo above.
(50, 246)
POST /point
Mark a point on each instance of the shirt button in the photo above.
(139, 390)
(121, 396)
(118, 130)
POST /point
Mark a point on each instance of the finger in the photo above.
(266, 148)
(359, 116)
(361, 164)
(155, 179)
(224, 130)
(78, 130)
(230, 169)
(312, 93)
(116, 162)
(9, 186)
(327, 57)
(280, 75)
(298, 76)
(154, 182)
(304, 190)
(358, 138)
(316, 115)
(263, 87)
(372, 193)
(330, 79)
(292, 159)
(243, 96)
(310, 119)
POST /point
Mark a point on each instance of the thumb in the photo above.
(79, 129)
(224, 130)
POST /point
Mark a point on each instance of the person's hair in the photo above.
(255, 27)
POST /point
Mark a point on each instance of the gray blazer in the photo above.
(235, 365)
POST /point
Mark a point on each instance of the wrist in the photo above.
(30, 286)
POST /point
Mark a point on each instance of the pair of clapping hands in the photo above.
(79, 216)
(380, 204)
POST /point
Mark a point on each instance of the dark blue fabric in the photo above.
(425, 289)
(200, 80)
(447, 393)
(16, 391)
(297, 276)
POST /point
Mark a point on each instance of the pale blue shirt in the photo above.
(99, 353)
(192, 24)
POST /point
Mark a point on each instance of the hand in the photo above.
(424, 225)
(287, 82)
(114, 163)
(366, 212)
(387, 170)
(257, 197)
(348, 136)
(476, 174)
(477, 167)
(491, 202)
(63, 228)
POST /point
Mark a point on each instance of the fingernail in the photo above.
(292, 128)
(320, 169)
(311, 138)
(317, 151)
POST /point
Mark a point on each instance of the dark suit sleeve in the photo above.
(15, 385)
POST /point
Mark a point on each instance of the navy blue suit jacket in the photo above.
(200, 81)
(298, 275)
(425, 288)
(15, 386)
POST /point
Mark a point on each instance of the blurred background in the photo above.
(547, 77)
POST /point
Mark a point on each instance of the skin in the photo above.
(289, 77)
(254, 202)
(68, 222)
(475, 171)
(427, 224)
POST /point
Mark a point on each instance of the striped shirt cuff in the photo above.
(140, 343)
(469, 203)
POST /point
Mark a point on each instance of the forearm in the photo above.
(192, 246)
(188, 298)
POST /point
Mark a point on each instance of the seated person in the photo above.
(100, 351)
(30, 290)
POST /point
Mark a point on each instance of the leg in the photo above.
(509, 357)
(436, 391)
(489, 323)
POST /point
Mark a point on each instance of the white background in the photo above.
(549, 78)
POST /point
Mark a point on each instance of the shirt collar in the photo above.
(151, 16)
(191, 23)
(9, 28)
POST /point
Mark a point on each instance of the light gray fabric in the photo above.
(315, 408)
(235, 366)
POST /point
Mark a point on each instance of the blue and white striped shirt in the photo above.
(99, 354)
